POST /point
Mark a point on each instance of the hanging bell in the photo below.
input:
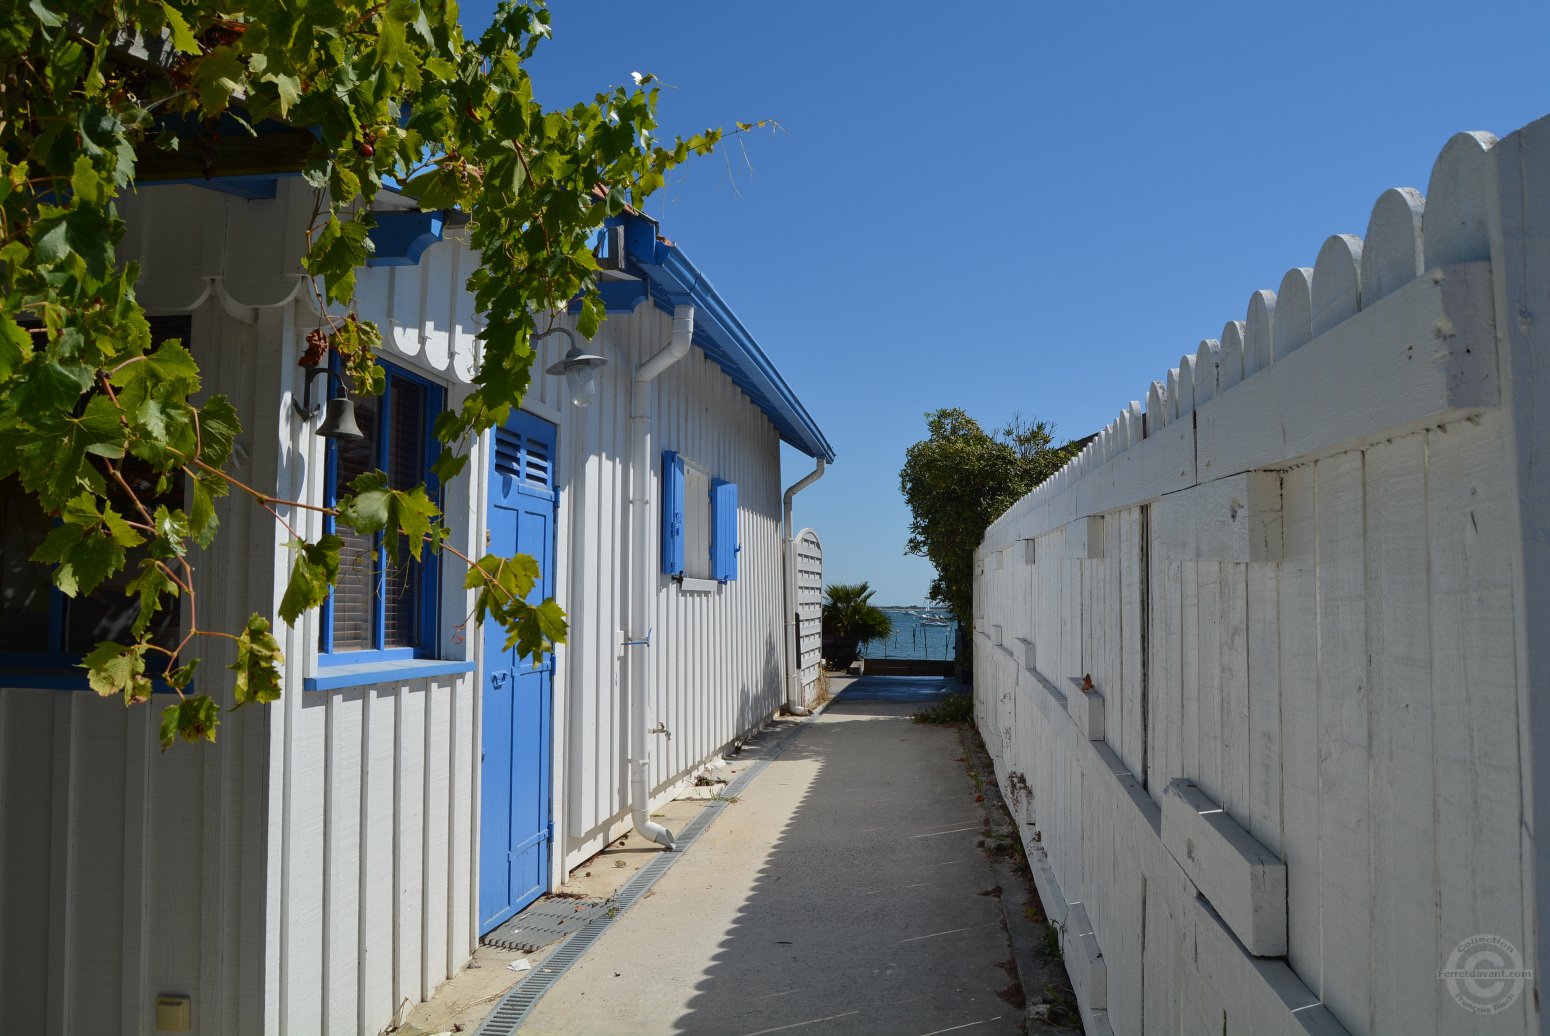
(339, 420)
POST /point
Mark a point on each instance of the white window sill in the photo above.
(698, 586)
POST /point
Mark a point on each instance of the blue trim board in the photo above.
(373, 656)
(253, 188)
(66, 678)
(671, 279)
(400, 238)
(336, 677)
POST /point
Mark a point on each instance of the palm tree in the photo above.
(850, 618)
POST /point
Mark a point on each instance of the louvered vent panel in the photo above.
(538, 463)
(508, 453)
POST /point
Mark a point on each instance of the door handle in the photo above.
(498, 679)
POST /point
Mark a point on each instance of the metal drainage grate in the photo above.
(513, 1009)
(544, 922)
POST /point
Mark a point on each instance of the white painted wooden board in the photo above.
(1232, 660)
(1208, 674)
(1237, 518)
(1084, 959)
(1244, 881)
(1430, 346)
(1404, 843)
(1128, 643)
(1479, 708)
(1087, 709)
(1084, 538)
(1345, 856)
(1262, 615)
(1517, 218)
(1299, 740)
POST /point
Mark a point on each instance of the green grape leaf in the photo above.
(258, 664)
(182, 36)
(118, 669)
(313, 575)
(150, 584)
(190, 719)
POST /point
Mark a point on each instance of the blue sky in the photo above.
(1025, 206)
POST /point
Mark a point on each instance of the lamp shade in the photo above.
(581, 384)
(579, 371)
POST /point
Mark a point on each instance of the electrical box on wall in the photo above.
(172, 1014)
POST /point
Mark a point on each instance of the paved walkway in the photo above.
(840, 894)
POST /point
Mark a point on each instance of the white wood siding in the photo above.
(1300, 597)
(718, 654)
(317, 866)
(125, 872)
(373, 854)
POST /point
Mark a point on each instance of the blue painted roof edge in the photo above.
(682, 284)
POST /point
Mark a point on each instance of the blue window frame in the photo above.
(379, 611)
(41, 629)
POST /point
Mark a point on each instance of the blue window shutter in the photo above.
(672, 514)
(723, 530)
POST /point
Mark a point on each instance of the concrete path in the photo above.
(840, 894)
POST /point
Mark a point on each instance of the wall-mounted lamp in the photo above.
(578, 368)
(339, 420)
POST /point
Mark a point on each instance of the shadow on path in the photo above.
(922, 690)
(869, 914)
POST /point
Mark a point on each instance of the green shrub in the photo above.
(955, 708)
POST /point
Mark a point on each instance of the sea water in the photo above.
(914, 636)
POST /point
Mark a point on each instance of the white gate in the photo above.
(808, 568)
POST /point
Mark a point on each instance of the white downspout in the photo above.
(638, 667)
(789, 557)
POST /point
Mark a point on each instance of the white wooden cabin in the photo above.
(341, 852)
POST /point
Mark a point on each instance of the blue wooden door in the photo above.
(515, 826)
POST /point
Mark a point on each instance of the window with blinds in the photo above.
(378, 605)
(355, 594)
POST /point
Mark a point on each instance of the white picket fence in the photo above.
(1256, 667)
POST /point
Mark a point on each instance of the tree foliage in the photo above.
(391, 91)
(961, 479)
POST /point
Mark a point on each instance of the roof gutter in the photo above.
(666, 266)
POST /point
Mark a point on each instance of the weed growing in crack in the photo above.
(1049, 948)
(1062, 1009)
